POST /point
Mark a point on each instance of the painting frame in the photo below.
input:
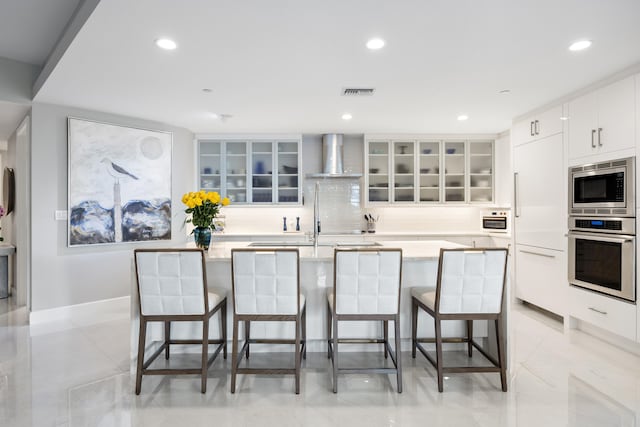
(119, 183)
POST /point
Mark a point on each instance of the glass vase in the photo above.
(202, 237)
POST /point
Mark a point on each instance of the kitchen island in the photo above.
(419, 268)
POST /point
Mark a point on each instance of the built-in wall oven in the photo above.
(603, 189)
(602, 254)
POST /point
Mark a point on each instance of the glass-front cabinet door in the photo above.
(209, 165)
(261, 172)
(429, 165)
(403, 171)
(288, 172)
(378, 173)
(454, 171)
(236, 171)
(481, 171)
(257, 171)
(428, 171)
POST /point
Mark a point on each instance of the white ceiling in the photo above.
(279, 65)
(30, 28)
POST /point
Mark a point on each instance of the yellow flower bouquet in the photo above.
(203, 207)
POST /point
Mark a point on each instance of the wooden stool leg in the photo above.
(297, 355)
(469, 336)
(234, 354)
(439, 354)
(142, 335)
(501, 355)
(205, 353)
(329, 321)
(334, 353)
(414, 326)
(223, 327)
(304, 331)
(167, 338)
(396, 323)
(385, 327)
(247, 335)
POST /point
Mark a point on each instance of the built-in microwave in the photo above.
(603, 189)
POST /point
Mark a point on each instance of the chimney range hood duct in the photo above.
(332, 154)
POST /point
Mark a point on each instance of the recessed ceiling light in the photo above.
(207, 90)
(166, 44)
(375, 44)
(347, 116)
(579, 45)
(462, 117)
(214, 116)
(563, 118)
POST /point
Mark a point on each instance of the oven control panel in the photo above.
(603, 225)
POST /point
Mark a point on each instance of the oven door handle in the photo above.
(622, 238)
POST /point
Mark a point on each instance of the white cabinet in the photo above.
(607, 313)
(426, 171)
(538, 126)
(541, 277)
(259, 171)
(603, 121)
(540, 205)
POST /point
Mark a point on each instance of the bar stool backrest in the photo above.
(265, 281)
(367, 281)
(471, 280)
(171, 281)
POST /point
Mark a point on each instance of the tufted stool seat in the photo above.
(470, 286)
(366, 286)
(266, 287)
(172, 287)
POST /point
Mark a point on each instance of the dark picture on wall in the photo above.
(119, 183)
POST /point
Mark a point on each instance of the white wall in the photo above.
(61, 275)
(16, 80)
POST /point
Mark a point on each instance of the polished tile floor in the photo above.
(72, 374)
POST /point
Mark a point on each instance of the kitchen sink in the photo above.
(301, 244)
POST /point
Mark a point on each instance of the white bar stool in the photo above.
(266, 287)
(470, 286)
(172, 287)
(366, 286)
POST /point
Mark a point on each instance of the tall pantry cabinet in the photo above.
(540, 211)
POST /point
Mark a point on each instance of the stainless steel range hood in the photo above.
(332, 153)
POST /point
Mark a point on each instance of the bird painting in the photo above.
(117, 171)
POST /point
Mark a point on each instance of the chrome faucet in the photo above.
(316, 214)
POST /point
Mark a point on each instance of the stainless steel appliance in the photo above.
(602, 254)
(496, 221)
(603, 189)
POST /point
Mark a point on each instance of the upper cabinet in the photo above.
(258, 171)
(409, 171)
(603, 121)
(538, 126)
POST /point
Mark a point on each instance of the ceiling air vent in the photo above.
(354, 91)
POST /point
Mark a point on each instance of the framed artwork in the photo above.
(119, 183)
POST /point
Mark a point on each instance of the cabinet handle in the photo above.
(593, 138)
(515, 195)
(537, 127)
(600, 137)
(531, 129)
(598, 311)
(537, 253)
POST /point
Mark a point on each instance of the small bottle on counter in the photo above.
(297, 223)
(284, 223)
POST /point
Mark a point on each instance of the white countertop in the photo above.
(411, 250)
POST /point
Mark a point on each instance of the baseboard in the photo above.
(606, 336)
(84, 314)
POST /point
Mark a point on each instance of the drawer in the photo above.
(604, 312)
(541, 278)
